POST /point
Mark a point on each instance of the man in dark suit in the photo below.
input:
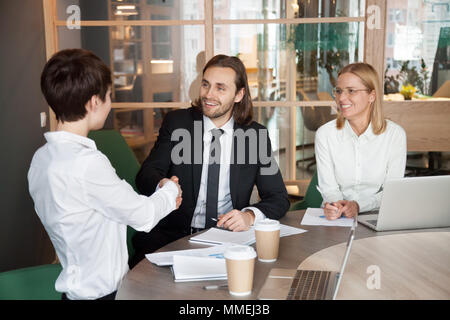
(219, 154)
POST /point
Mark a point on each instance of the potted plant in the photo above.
(408, 91)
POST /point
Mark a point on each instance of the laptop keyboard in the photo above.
(309, 285)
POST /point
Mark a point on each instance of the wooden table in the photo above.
(148, 281)
(397, 266)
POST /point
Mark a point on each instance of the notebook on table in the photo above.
(189, 268)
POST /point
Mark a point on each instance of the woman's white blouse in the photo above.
(356, 168)
(85, 208)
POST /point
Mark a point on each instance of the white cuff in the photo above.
(170, 186)
(258, 214)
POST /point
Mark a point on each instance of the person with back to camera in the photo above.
(84, 206)
(357, 152)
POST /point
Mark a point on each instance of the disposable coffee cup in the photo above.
(267, 234)
(240, 262)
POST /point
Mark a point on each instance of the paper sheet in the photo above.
(289, 231)
(215, 236)
(315, 217)
(166, 258)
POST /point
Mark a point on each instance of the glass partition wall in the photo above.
(292, 51)
(417, 52)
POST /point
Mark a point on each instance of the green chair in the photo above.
(312, 199)
(114, 147)
(32, 283)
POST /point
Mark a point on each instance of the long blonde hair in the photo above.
(370, 80)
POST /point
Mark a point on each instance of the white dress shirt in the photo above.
(356, 168)
(224, 203)
(85, 208)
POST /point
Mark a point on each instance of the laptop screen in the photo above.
(344, 261)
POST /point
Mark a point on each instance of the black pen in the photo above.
(214, 219)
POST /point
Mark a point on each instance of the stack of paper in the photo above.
(215, 236)
(166, 258)
(315, 217)
(188, 268)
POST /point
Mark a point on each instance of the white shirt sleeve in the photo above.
(396, 168)
(325, 168)
(115, 198)
(258, 214)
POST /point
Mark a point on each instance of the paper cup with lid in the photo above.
(267, 234)
(240, 262)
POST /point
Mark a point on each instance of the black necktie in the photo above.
(212, 187)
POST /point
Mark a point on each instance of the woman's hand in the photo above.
(335, 210)
(175, 179)
(332, 210)
(350, 209)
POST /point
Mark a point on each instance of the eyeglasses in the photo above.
(349, 91)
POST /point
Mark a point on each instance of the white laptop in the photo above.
(411, 203)
(292, 284)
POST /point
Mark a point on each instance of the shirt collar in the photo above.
(348, 133)
(57, 136)
(209, 125)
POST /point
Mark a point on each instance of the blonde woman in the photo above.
(360, 150)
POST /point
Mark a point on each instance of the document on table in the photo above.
(215, 236)
(188, 268)
(316, 217)
(290, 231)
(166, 258)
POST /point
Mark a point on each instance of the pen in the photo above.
(214, 219)
(216, 287)
(341, 217)
(321, 193)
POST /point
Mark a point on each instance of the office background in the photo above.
(156, 49)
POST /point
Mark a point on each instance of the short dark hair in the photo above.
(70, 78)
(243, 110)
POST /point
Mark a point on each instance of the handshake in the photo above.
(174, 179)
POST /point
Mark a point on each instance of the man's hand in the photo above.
(236, 220)
(175, 179)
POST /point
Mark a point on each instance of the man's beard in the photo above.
(219, 112)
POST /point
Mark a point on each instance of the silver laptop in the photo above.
(292, 284)
(411, 203)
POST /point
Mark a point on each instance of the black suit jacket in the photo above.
(272, 191)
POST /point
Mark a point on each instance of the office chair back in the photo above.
(312, 199)
(32, 283)
(112, 144)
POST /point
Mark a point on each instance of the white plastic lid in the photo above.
(240, 253)
(267, 225)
